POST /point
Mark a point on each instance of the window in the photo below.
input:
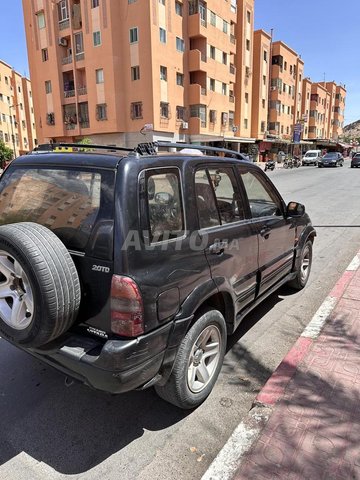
(180, 79)
(217, 197)
(2, 99)
(180, 44)
(212, 84)
(179, 8)
(94, 3)
(285, 66)
(164, 110)
(263, 127)
(21, 106)
(23, 124)
(224, 58)
(44, 55)
(264, 79)
(163, 73)
(134, 37)
(246, 122)
(212, 52)
(162, 32)
(263, 202)
(231, 119)
(41, 19)
(246, 97)
(97, 39)
(136, 110)
(79, 43)
(180, 113)
(163, 194)
(263, 103)
(265, 56)
(63, 11)
(135, 73)
(224, 89)
(212, 116)
(248, 45)
(212, 18)
(162, 2)
(101, 112)
(248, 16)
(199, 111)
(48, 87)
(7, 80)
(225, 26)
(99, 75)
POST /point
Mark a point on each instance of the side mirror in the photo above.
(295, 209)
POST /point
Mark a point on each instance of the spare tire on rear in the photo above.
(39, 285)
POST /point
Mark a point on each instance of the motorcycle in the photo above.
(296, 162)
(270, 165)
(288, 163)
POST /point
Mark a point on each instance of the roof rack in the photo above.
(202, 148)
(150, 148)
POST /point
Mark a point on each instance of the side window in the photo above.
(263, 202)
(165, 210)
(218, 198)
(205, 201)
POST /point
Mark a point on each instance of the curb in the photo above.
(247, 432)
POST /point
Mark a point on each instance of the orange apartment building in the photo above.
(339, 112)
(305, 107)
(287, 72)
(260, 84)
(17, 122)
(319, 112)
(176, 69)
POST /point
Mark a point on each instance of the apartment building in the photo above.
(339, 111)
(305, 107)
(287, 72)
(319, 112)
(260, 84)
(175, 70)
(17, 123)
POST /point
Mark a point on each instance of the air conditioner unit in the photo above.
(184, 125)
(63, 42)
(273, 89)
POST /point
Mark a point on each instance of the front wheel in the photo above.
(198, 362)
(304, 268)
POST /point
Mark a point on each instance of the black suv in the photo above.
(128, 270)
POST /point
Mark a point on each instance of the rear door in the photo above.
(230, 240)
(276, 233)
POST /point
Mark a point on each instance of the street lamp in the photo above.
(12, 127)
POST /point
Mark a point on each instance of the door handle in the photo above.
(265, 232)
(218, 248)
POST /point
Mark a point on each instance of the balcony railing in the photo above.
(232, 38)
(82, 91)
(85, 124)
(203, 91)
(231, 98)
(67, 60)
(80, 56)
(63, 24)
(69, 93)
(70, 126)
(232, 69)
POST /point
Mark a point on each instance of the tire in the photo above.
(185, 392)
(39, 285)
(302, 274)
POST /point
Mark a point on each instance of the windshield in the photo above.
(312, 154)
(331, 155)
(65, 201)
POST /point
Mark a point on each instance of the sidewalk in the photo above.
(305, 423)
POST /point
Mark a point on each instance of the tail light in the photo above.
(127, 310)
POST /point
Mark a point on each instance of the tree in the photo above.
(85, 141)
(6, 154)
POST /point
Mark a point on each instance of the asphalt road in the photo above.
(49, 431)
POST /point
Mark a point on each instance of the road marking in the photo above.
(355, 263)
(315, 326)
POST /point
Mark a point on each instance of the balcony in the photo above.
(197, 61)
(70, 126)
(231, 98)
(197, 26)
(67, 60)
(196, 94)
(64, 24)
(80, 56)
(232, 69)
(69, 93)
(82, 91)
(85, 124)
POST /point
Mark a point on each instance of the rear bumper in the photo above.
(115, 366)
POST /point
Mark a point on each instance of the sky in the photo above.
(325, 33)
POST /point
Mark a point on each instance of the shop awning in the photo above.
(219, 138)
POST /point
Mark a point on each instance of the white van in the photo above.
(311, 157)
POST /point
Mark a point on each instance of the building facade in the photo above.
(260, 87)
(175, 70)
(17, 121)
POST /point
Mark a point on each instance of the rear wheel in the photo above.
(198, 362)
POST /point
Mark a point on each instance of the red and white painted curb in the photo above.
(246, 433)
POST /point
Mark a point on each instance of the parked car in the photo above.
(331, 159)
(311, 157)
(129, 271)
(355, 161)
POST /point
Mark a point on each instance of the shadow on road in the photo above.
(69, 429)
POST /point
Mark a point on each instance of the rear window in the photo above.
(65, 201)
